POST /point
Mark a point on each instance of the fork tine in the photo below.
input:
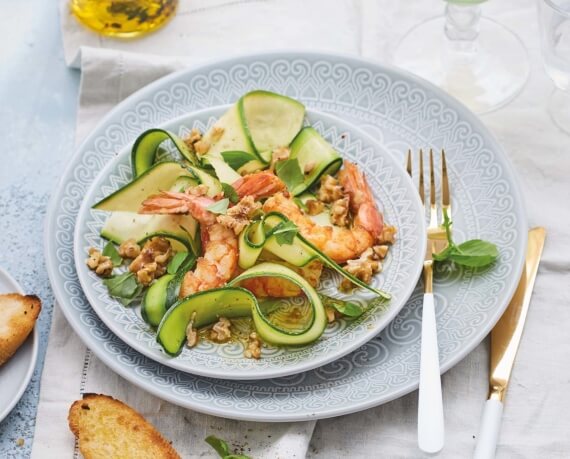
(432, 207)
(421, 187)
(445, 200)
(409, 163)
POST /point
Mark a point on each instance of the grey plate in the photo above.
(394, 193)
(400, 111)
(15, 374)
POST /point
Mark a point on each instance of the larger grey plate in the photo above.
(400, 111)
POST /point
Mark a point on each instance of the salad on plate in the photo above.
(239, 222)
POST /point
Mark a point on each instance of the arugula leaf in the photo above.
(176, 262)
(236, 159)
(290, 172)
(223, 449)
(124, 287)
(346, 308)
(111, 251)
(219, 207)
(230, 193)
(285, 232)
(474, 253)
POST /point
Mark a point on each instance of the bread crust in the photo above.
(18, 315)
(106, 428)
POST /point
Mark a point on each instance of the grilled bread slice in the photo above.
(18, 314)
(107, 428)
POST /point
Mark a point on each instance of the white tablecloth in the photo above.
(537, 413)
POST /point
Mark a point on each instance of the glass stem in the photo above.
(462, 27)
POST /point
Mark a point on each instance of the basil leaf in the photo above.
(230, 193)
(474, 253)
(346, 308)
(176, 262)
(285, 232)
(219, 445)
(236, 159)
(290, 173)
(124, 287)
(111, 251)
(219, 207)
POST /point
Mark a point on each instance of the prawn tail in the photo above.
(259, 185)
(165, 202)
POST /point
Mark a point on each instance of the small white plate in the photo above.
(15, 374)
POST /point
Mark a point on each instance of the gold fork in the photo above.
(430, 405)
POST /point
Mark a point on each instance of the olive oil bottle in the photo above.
(123, 18)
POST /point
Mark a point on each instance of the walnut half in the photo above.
(102, 265)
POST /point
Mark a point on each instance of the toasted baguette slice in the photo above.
(107, 428)
(18, 314)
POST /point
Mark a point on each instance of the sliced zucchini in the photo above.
(213, 184)
(181, 229)
(233, 136)
(322, 219)
(271, 120)
(224, 172)
(143, 154)
(129, 198)
(242, 161)
(183, 183)
(309, 148)
(154, 302)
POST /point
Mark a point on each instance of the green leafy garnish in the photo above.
(236, 159)
(111, 251)
(290, 172)
(346, 308)
(223, 449)
(219, 207)
(124, 287)
(176, 262)
(230, 193)
(475, 253)
(285, 232)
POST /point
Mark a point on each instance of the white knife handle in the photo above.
(489, 430)
(430, 405)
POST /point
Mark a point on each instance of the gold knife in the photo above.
(505, 340)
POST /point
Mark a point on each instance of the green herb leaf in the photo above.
(176, 262)
(219, 445)
(236, 159)
(285, 232)
(474, 253)
(223, 449)
(219, 207)
(111, 251)
(124, 287)
(290, 172)
(230, 193)
(346, 308)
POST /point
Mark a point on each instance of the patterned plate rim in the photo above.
(157, 390)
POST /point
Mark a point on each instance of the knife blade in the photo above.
(505, 340)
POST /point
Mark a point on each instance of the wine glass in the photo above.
(554, 19)
(475, 59)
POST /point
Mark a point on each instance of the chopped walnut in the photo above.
(151, 262)
(388, 235)
(202, 147)
(364, 267)
(192, 336)
(129, 249)
(239, 216)
(314, 207)
(279, 154)
(198, 190)
(217, 132)
(220, 332)
(254, 344)
(380, 250)
(339, 212)
(102, 265)
(309, 166)
(330, 189)
(194, 137)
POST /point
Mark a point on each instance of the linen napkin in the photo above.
(537, 410)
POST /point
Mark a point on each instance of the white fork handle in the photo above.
(489, 430)
(430, 406)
